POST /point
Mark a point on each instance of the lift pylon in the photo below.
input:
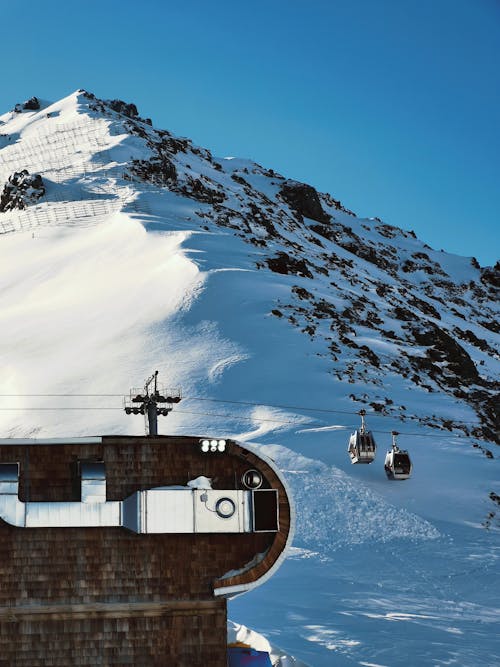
(151, 401)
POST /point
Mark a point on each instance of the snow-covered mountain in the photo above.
(281, 314)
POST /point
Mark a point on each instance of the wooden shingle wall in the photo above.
(190, 639)
(106, 596)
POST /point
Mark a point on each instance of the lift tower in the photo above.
(152, 401)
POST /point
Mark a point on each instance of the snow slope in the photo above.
(280, 314)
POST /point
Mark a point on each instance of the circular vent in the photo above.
(225, 508)
(252, 479)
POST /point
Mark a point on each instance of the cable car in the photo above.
(397, 461)
(362, 447)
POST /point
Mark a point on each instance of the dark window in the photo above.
(366, 442)
(92, 470)
(402, 463)
(265, 510)
(9, 472)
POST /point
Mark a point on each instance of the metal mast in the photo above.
(395, 447)
(154, 400)
(362, 430)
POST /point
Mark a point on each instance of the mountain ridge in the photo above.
(299, 232)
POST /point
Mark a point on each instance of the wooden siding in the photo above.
(194, 638)
(94, 596)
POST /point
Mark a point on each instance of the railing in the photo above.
(68, 151)
(54, 152)
(37, 216)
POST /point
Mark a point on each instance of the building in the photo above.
(116, 550)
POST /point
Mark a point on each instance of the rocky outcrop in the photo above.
(285, 264)
(491, 275)
(160, 170)
(492, 514)
(127, 109)
(304, 200)
(33, 104)
(443, 349)
(195, 188)
(21, 190)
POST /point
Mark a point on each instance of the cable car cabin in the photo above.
(397, 461)
(362, 447)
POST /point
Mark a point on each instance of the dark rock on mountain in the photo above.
(326, 231)
(33, 104)
(491, 275)
(424, 307)
(304, 200)
(492, 514)
(125, 108)
(327, 199)
(442, 348)
(196, 189)
(173, 145)
(285, 264)
(471, 338)
(21, 190)
(119, 106)
(367, 353)
(159, 170)
(239, 179)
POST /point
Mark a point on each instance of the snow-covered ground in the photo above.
(107, 279)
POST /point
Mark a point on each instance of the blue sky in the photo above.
(392, 106)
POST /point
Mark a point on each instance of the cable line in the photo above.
(232, 402)
(339, 427)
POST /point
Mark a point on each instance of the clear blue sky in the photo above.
(392, 106)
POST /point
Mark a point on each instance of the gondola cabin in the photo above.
(397, 464)
(362, 447)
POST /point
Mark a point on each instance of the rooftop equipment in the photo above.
(397, 461)
(252, 479)
(158, 510)
(93, 481)
(362, 447)
(212, 445)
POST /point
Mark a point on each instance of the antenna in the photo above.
(152, 402)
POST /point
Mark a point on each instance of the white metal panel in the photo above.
(93, 481)
(168, 511)
(72, 515)
(9, 488)
(93, 491)
(206, 518)
(165, 510)
(12, 510)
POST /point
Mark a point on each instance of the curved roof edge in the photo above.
(234, 591)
